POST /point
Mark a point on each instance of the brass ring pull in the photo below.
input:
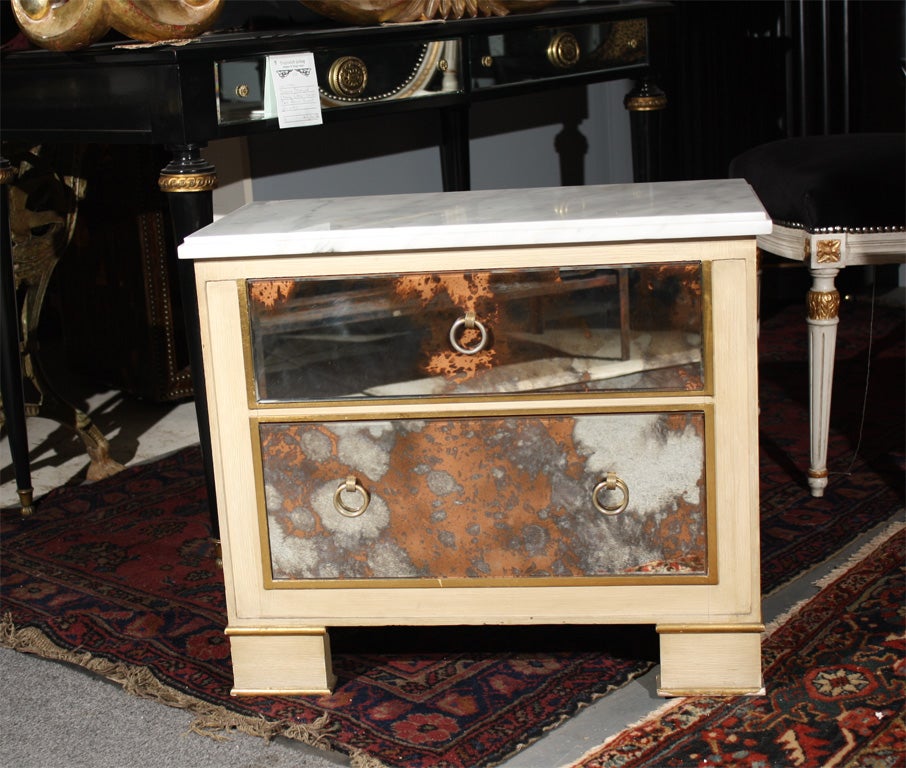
(351, 486)
(610, 483)
(468, 321)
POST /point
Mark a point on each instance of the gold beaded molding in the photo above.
(823, 305)
(187, 182)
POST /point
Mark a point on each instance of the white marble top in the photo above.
(606, 213)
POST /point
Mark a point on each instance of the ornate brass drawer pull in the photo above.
(610, 483)
(563, 51)
(348, 76)
(468, 321)
(351, 486)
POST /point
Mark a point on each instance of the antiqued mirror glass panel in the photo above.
(630, 328)
(481, 498)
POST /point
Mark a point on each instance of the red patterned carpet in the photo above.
(835, 677)
(118, 577)
(866, 457)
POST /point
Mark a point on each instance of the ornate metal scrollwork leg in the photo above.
(12, 397)
(40, 233)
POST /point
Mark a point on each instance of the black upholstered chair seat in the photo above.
(822, 183)
(835, 201)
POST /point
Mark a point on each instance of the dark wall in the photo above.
(744, 73)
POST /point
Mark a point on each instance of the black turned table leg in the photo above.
(645, 102)
(189, 180)
(454, 149)
(10, 362)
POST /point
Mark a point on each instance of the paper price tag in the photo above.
(291, 90)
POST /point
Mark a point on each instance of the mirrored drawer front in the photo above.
(523, 56)
(451, 334)
(346, 76)
(476, 499)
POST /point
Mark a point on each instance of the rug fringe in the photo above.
(658, 712)
(212, 721)
(569, 715)
(814, 567)
(359, 759)
(887, 530)
(891, 529)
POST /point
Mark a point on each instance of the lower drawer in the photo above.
(478, 501)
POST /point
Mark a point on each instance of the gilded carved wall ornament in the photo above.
(828, 251)
(823, 305)
(69, 25)
(383, 11)
(74, 24)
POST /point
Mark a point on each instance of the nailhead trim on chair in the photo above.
(829, 230)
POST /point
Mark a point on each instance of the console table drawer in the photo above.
(527, 55)
(598, 329)
(463, 500)
(347, 76)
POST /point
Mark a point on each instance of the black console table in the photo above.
(182, 96)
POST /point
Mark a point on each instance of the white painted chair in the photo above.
(836, 201)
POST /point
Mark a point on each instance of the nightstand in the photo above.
(531, 406)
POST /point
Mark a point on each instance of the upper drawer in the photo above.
(595, 329)
(540, 54)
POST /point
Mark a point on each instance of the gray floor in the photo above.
(54, 715)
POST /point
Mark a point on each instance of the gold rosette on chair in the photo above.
(384, 11)
(74, 24)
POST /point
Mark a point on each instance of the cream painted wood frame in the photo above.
(825, 254)
(709, 633)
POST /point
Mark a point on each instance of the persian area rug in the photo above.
(835, 678)
(119, 577)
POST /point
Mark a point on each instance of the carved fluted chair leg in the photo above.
(823, 318)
